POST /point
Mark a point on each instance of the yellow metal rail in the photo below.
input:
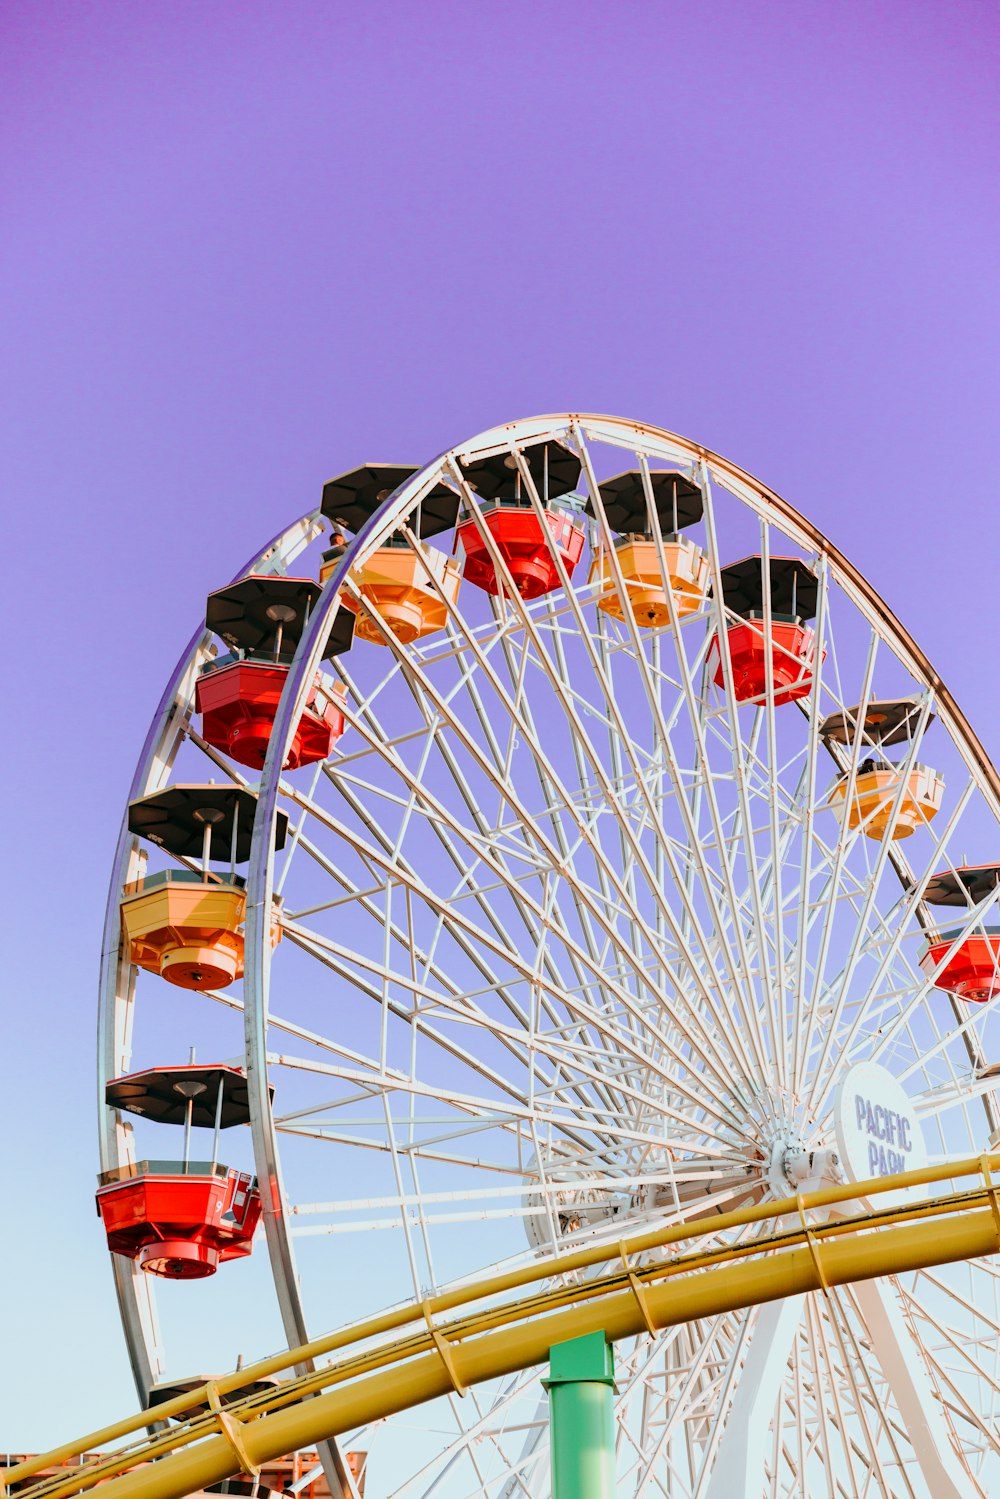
(415, 1353)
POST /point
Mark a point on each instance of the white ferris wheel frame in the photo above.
(169, 728)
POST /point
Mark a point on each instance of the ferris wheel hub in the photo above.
(794, 1166)
(811, 1170)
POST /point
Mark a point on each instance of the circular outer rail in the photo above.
(117, 982)
(117, 979)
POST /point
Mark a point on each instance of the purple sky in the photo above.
(245, 246)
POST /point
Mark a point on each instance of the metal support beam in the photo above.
(581, 1415)
(740, 1468)
(900, 1359)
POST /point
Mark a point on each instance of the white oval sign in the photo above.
(878, 1132)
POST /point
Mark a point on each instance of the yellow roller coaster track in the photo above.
(410, 1354)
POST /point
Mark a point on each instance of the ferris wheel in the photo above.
(589, 847)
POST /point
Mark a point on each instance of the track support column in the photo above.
(581, 1418)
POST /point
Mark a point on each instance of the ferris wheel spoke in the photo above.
(482, 1428)
(805, 802)
(484, 829)
(841, 847)
(823, 1357)
(461, 865)
(446, 1043)
(556, 682)
(478, 941)
(674, 1402)
(793, 1451)
(544, 1192)
(574, 1121)
(740, 1459)
(586, 924)
(771, 1065)
(492, 978)
(721, 1391)
(973, 1309)
(959, 1343)
(860, 1440)
(672, 866)
(414, 1151)
(561, 1049)
(875, 1414)
(742, 988)
(911, 1380)
(862, 924)
(630, 913)
(619, 779)
(964, 1029)
(822, 1397)
(968, 1405)
(646, 783)
(622, 949)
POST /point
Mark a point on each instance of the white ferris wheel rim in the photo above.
(655, 444)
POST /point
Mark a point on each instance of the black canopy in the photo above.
(162, 1093)
(354, 497)
(246, 615)
(962, 887)
(495, 478)
(888, 721)
(175, 819)
(625, 500)
(791, 581)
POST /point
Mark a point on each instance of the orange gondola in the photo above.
(879, 786)
(410, 591)
(184, 924)
(677, 503)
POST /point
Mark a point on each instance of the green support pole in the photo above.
(581, 1418)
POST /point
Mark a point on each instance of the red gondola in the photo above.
(973, 971)
(179, 1222)
(238, 700)
(791, 648)
(789, 643)
(262, 618)
(181, 1219)
(523, 544)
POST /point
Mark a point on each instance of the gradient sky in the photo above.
(247, 245)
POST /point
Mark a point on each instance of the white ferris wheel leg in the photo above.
(903, 1365)
(739, 1470)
